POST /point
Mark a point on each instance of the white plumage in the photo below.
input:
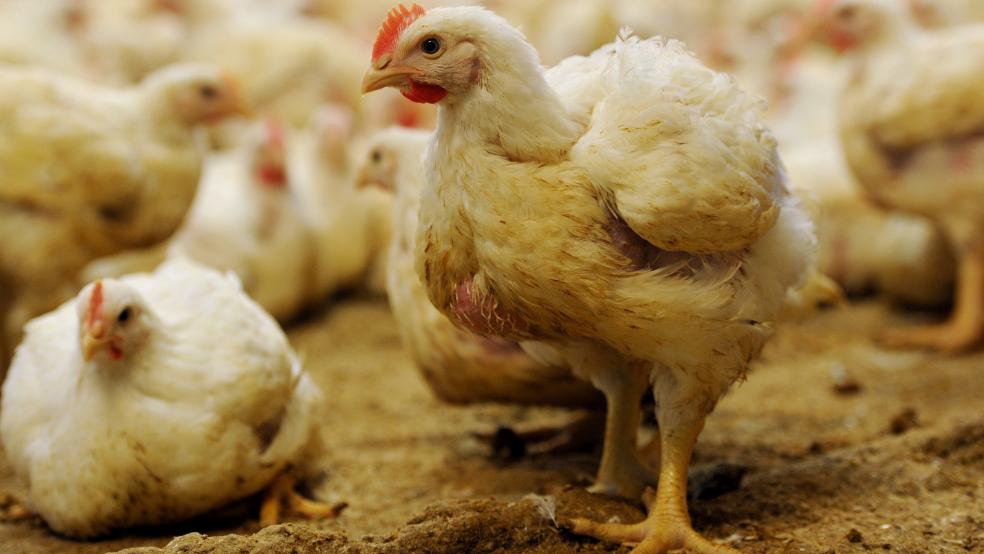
(628, 206)
(191, 400)
(911, 122)
(458, 365)
(88, 171)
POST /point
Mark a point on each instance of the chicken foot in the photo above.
(282, 492)
(667, 527)
(965, 326)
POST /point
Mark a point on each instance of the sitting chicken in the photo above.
(151, 399)
(911, 121)
(627, 207)
(245, 219)
(89, 171)
(459, 366)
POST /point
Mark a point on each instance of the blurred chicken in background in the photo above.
(88, 171)
(911, 119)
(245, 219)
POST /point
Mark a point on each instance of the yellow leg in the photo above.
(965, 327)
(282, 492)
(620, 472)
(649, 453)
(668, 525)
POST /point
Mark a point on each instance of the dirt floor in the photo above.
(843, 447)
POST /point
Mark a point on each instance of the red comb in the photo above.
(397, 21)
(95, 305)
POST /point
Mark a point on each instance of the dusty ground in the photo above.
(845, 447)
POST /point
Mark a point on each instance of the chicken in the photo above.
(627, 207)
(910, 123)
(89, 171)
(459, 366)
(43, 34)
(245, 219)
(287, 67)
(127, 39)
(350, 228)
(941, 13)
(152, 399)
(861, 246)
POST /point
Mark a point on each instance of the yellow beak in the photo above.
(395, 76)
(90, 345)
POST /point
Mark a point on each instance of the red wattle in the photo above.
(841, 41)
(423, 93)
(273, 176)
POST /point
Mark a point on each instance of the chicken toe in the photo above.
(281, 493)
(668, 525)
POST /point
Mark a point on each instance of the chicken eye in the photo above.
(124, 315)
(430, 46)
(208, 91)
(846, 13)
(376, 156)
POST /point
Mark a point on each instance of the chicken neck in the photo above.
(514, 113)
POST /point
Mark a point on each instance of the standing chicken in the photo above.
(151, 399)
(90, 171)
(459, 366)
(911, 125)
(627, 206)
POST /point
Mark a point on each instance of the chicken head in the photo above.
(424, 64)
(113, 321)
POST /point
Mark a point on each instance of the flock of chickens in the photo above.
(178, 176)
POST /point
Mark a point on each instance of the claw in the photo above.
(282, 492)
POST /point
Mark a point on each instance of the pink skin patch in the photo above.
(397, 21)
(483, 316)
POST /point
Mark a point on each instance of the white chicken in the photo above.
(288, 67)
(88, 171)
(459, 366)
(942, 13)
(245, 219)
(43, 34)
(861, 246)
(911, 122)
(125, 40)
(628, 207)
(349, 227)
(151, 399)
